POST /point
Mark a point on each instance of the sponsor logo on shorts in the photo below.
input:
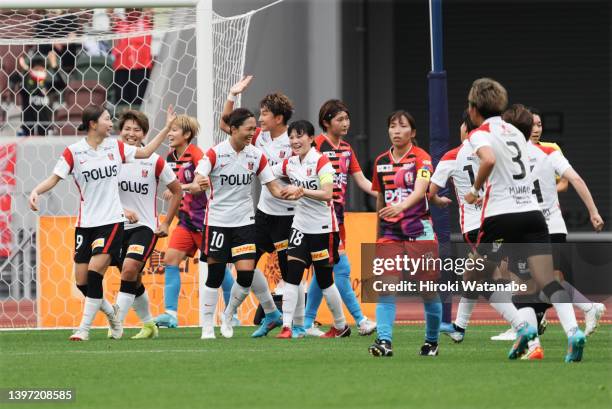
(97, 243)
(244, 249)
(281, 245)
(136, 249)
(319, 255)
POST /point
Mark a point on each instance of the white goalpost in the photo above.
(195, 56)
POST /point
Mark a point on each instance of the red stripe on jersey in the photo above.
(322, 162)
(159, 166)
(110, 239)
(212, 157)
(483, 127)
(263, 162)
(452, 154)
(285, 163)
(546, 149)
(257, 133)
(484, 206)
(121, 150)
(68, 158)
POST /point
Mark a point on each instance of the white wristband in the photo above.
(231, 97)
(474, 191)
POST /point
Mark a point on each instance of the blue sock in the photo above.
(226, 285)
(342, 279)
(172, 287)
(385, 317)
(433, 316)
(313, 301)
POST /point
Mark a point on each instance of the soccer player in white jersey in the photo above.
(139, 183)
(95, 163)
(546, 163)
(510, 213)
(229, 169)
(273, 216)
(315, 235)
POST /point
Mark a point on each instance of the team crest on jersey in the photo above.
(145, 173)
(309, 172)
(251, 165)
(97, 243)
(282, 154)
(111, 157)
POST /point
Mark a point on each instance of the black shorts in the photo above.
(91, 241)
(471, 237)
(314, 247)
(527, 232)
(138, 243)
(228, 244)
(272, 232)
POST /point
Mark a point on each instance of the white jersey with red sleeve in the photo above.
(311, 216)
(545, 164)
(230, 200)
(508, 188)
(138, 186)
(461, 165)
(276, 150)
(96, 174)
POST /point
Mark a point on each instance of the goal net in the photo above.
(54, 63)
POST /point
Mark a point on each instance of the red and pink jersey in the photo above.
(396, 179)
(231, 175)
(96, 174)
(138, 184)
(193, 207)
(344, 162)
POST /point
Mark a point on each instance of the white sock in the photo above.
(237, 296)
(565, 312)
(141, 306)
(298, 316)
(106, 307)
(290, 299)
(501, 301)
(262, 292)
(577, 297)
(124, 302)
(334, 302)
(210, 296)
(528, 314)
(90, 309)
(464, 312)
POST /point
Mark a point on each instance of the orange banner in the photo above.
(60, 302)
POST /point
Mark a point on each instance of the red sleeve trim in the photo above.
(257, 133)
(285, 163)
(483, 128)
(212, 157)
(354, 166)
(263, 162)
(546, 149)
(319, 141)
(68, 158)
(159, 166)
(375, 185)
(322, 162)
(451, 155)
(121, 150)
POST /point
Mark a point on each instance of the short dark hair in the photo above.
(37, 61)
(520, 117)
(90, 113)
(301, 127)
(139, 117)
(329, 110)
(278, 104)
(237, 117)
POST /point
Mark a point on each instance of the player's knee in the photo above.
(130, 269)
(244, 278)
(172, 258)
(295, 271)
(216, 273)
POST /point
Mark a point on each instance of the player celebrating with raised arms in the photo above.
(273, 216)
(510, 213)
(314, 236)
(95, 163)
(138, 186)
(229, 169)
(401, 177)
(334, 119)
(186, 238)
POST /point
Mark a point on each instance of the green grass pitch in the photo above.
(178, 370)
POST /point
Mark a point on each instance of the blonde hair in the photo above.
(187, 124)
(488, 96)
